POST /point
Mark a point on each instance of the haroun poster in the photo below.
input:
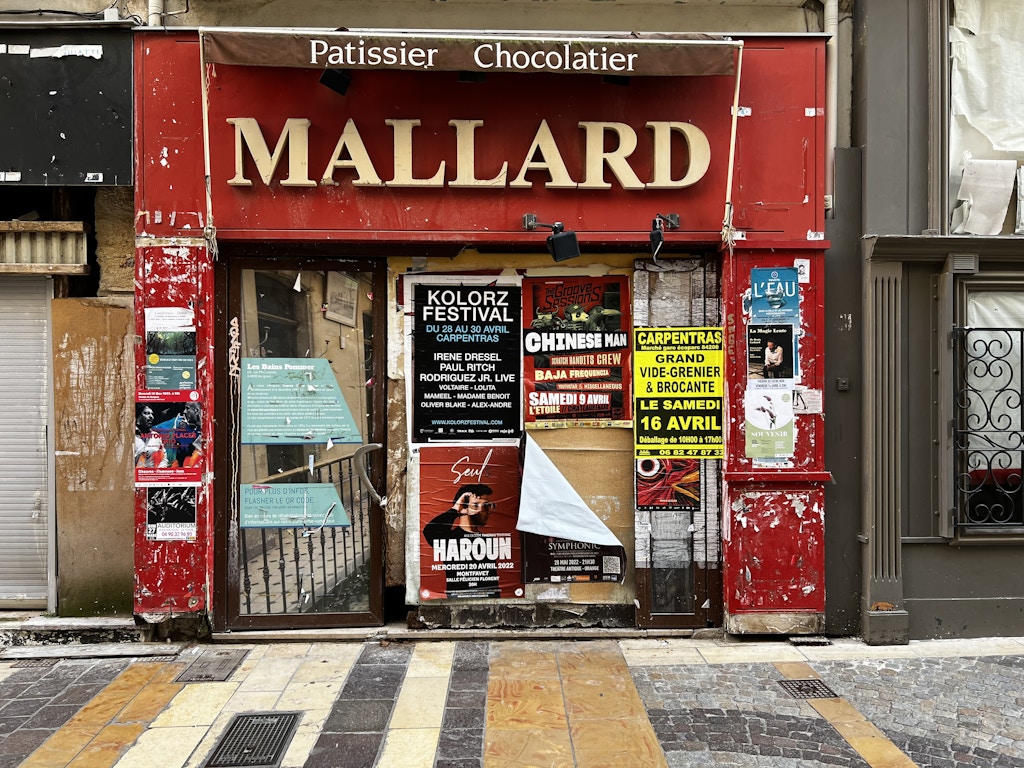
(469, 504)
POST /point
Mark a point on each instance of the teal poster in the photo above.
(293, 400)
(292, 505)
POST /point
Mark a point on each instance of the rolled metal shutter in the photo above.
(25, 495)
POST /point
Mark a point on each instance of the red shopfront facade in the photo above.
(290, 191)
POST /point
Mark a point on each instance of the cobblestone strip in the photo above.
(35, 703)
(736, 715)
(942, 712)
(462, 730)
(355, 729)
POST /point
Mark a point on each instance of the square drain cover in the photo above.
(807, 689)
(254, 740)
(212, 666)
(23, 663)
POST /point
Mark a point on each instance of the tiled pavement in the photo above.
(537, 703)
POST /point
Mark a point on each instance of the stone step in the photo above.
(17, 630)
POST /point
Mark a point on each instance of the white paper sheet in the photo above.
(550, 506)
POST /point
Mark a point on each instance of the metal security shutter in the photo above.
(24, 410)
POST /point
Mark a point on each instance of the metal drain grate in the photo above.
(212, 666)
(807, 689)
(23, 663)
(809, 640)
(254, 740)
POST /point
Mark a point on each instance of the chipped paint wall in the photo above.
(94, 382)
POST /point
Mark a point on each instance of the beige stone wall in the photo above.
(115, 240)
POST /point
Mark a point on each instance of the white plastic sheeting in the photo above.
(986, 112)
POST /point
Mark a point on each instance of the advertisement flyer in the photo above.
(576, 351)
(469, 502)
(171, 513)
(466, 362)
(168, 446)
(289, 400)
(667, 484)
(170, 348)
(679, 392)
(769, 424)
(561, 561)
(769, 356)
(775, 300)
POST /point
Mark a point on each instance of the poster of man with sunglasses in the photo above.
(472, 549)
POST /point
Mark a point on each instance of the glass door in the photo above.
(303, 395)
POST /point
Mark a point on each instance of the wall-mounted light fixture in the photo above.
(338, 80)
(658, 226)
(562, 245)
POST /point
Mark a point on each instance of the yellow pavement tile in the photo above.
(197, 704)
(524, 704)
(881, 753)
(661, 656)
(310, 695)
(409, 748)
(148, 703)
(836, 710)
(420, 704)
(108, 746)
(168, 672)
(521, 661)
(592, 658)
(61, 746)
(304, 740)
(287, 650)
(854, 729)
(537, 748)
(796, 670)
(626, 743)
(315, 670)
(601, 697)
(251, 701)
(431, 660)
(164, 747)
(739, 654)
(271, 674)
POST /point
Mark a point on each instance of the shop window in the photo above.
(987, 424)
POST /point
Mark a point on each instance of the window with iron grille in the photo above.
(988, 413)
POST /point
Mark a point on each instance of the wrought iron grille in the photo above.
(988, 429)
(311, 569)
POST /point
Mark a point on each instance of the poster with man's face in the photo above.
(469, 503)
(168, 443)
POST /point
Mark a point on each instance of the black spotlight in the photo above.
(337, 80)
(562, 245)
